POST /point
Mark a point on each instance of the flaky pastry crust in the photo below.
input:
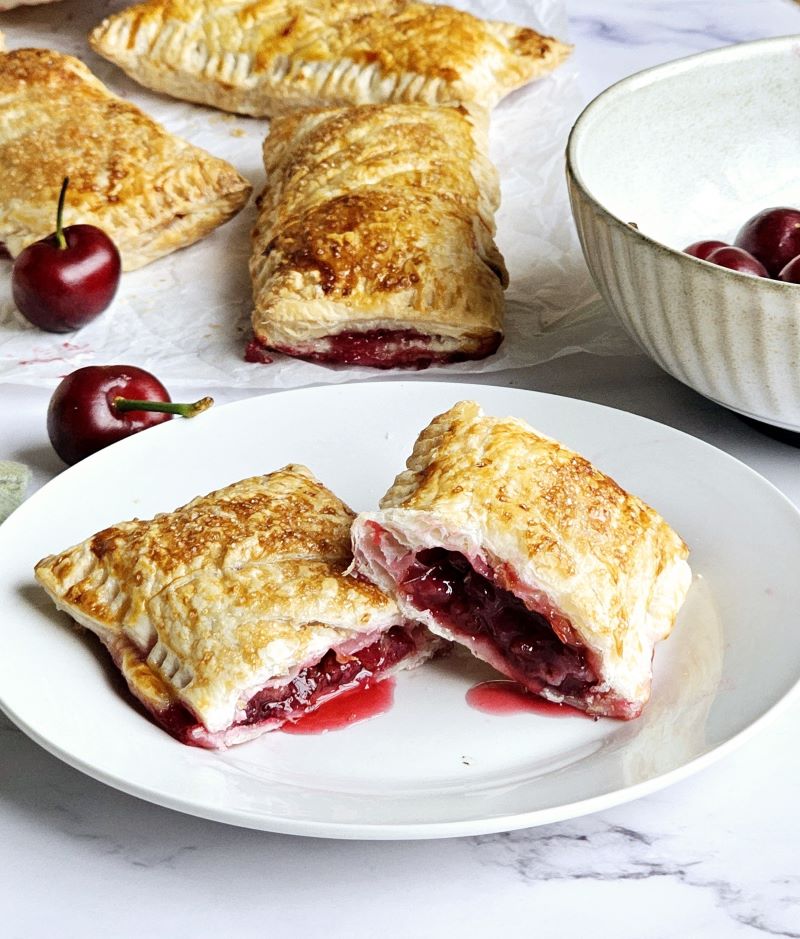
(549, 526)
(207, 603)
(150, 191)
(269, 56)
(379, 217)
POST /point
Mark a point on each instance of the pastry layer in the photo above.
(150, 191)
(238, 590)
(271, 56)
(354, 664)
(535, 528)
(375, 237)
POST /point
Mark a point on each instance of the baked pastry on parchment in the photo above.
(150, 191)
(504, 540)
(274, 55)
(374, 241)
(232, 614)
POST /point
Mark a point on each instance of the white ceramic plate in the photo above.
(431, 766)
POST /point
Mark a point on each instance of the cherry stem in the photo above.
(62, 241)
(165, 407)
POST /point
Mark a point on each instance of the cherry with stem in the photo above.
(65, 280)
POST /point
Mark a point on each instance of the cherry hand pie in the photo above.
(148, 190)
(504, 540)
(233, 614)
(374, 240)
(275, 55)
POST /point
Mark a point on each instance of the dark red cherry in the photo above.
(737, 259)
(702, 249)
(791, 273)
(68, 278)
(772, 236)
(100, 404)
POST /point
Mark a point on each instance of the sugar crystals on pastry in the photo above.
(274, 55)
(504, 540)
(374, 240)
(233, 614)
(150, 191)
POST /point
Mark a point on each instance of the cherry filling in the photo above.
(257, 353)
(328, 675)
(378, 348)
(517, 640)
(310, 688)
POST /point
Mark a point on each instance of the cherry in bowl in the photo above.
(791, 273)
(702, 249)
(767, 245)
(737, 259)
(772, 236)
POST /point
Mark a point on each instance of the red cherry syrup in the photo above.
(509, 697)
(350, 707)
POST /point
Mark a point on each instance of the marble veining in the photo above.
(597, 849)
(699, 35)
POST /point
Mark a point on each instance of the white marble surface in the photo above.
(715, 855)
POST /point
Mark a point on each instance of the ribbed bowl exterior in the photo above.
(731, 337)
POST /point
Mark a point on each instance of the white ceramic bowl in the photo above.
(689, 151)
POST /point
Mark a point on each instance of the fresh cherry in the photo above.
(65, 280)
(791, 273)
(772, 236)
(702, 249)
(737, 259)
(100, 404)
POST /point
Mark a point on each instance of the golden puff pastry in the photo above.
(232, 614)
(151, 192)
(269, 56)
(504, 540)
(374, 241)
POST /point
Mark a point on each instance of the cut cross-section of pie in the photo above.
(150, 191)
(276, 55)
(233, 614)
(504, 540)
(374, 241)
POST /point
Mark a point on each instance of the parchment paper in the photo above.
(186, 317)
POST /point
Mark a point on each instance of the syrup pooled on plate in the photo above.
(351, 707)
(509, 697)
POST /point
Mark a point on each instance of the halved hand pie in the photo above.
(275, 55)
(149, 191)
(374, 241)
(232, 614)
(504, 540)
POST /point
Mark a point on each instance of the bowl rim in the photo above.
(649, 76)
